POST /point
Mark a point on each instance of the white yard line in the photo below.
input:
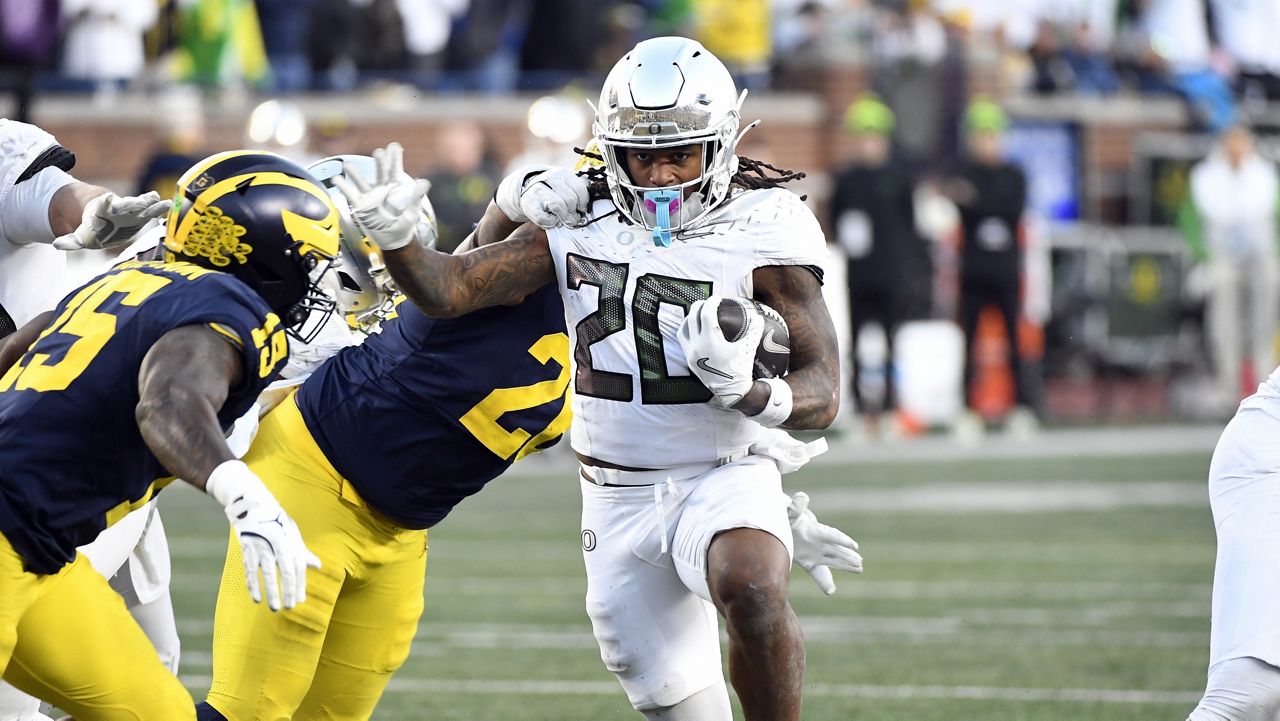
(475, 687)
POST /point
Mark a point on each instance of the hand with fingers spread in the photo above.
(819, 547)
(381, 206)
(545, 196)
(110, 221)
(270, 542)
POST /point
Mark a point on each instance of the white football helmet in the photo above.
(668, 92)
(360, 282)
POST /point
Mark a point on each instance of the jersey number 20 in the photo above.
(657, 386)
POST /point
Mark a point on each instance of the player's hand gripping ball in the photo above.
(773, 352)
(730, 342)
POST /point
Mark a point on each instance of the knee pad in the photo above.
(617, 658)
(709, 704)
(1240, 689)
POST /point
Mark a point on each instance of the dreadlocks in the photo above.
(752, 174)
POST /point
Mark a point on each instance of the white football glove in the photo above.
(545, 196)
(790, 454)
(819, 547)
(723, 366)
(110, 221)
(386, 213)
(269, 539)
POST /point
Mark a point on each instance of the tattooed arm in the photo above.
(502, 273)
(814, 376)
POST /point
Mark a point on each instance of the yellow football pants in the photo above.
(68, 639)
(331, 657)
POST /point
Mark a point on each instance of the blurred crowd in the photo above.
(923, 135)
(1203, 50)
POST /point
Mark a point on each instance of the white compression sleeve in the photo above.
(25, 210)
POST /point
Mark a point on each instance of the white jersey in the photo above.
(30, 273)
(635, 403)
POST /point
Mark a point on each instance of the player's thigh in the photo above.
(79, 649)
(370, 636)
(20, 591)
(660, 639)
(744, 494)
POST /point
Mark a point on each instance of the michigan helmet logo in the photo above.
(257, 216)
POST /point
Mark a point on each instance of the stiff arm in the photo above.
(501, 273)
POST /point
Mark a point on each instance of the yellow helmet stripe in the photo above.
(312, 242)
(203, 166)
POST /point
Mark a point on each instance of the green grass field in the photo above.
(995, 590)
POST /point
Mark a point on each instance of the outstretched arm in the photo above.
(443, 285)
(814, 376)
(502, 273)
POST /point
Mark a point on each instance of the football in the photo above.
(773, 354)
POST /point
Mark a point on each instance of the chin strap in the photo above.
(662, 203)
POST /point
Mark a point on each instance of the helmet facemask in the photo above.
(304, 320)
(667, 93)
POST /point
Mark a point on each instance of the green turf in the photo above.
(977, 615)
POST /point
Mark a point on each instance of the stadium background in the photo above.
(1061, 575)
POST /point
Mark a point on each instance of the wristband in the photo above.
(231, 481)
(778, 408)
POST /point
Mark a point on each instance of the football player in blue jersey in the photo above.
(375, 447)
(133, 383)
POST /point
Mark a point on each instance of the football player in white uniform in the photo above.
(1244, 644)
(43, 212)
(679, 519)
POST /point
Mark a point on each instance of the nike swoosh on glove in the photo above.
(723, 366)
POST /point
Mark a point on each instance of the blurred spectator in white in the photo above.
(103, 39)
(1246, 31)
(800, 31)
(737, 32)
(1230, 225)
(427, 24)
(28, 43)
(1166, 43)
(462, 184)
(286, 26)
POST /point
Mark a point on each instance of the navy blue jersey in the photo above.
(72, 459)
(429, 410)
